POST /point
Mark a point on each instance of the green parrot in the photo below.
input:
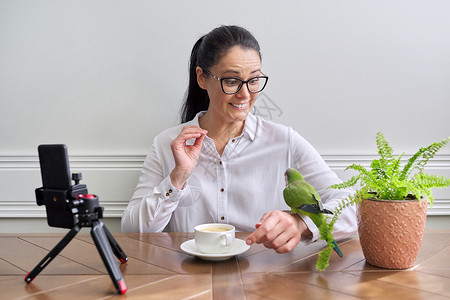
(303, 198)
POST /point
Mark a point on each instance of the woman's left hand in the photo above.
(278, 230)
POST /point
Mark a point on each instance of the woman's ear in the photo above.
(200, 78)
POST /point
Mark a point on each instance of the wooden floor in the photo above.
(158, 269)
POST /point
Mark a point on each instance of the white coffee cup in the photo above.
(214, 238)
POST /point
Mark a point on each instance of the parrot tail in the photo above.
(336, 248)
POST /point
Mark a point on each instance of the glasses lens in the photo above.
(231, 85)
(257, 84)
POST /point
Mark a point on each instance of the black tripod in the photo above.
(89, 213)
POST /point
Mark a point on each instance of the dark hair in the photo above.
(207, 51)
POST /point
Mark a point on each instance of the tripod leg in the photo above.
(118, 252)
(104, 248)
(53, 253)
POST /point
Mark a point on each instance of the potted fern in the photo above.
(392, 204)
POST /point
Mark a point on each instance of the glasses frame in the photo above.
(241, 84)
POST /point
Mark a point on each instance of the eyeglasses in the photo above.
(232, 85)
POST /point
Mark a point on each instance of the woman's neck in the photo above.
(220, 131)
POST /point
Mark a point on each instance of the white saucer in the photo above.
(239, 246)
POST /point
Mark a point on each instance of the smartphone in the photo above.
(54, 162)
(56, 184)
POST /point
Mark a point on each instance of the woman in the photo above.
(223, 164)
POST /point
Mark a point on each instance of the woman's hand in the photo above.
(186, 156)
(279, 230)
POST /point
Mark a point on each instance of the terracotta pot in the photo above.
(391, 231)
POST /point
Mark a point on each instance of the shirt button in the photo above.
(170, 191)
(167, 194)
(222, 218)
(222, 190)
(233, 140)
(220, 162)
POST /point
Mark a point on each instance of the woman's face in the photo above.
(240, 63)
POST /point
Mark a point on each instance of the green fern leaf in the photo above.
(384, 149)
(395, 168)
(431, 181)
(430, 151)
(426, 154)
(349, 183)
(324, 258)
(410, 165)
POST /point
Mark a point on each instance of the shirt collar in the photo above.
(249, 127)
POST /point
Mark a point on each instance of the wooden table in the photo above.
(158, 269)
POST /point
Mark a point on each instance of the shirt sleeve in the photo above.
(154, 199)
(316, 172)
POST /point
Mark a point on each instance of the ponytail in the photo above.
(196, 98)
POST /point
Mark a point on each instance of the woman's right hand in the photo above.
(186, 156)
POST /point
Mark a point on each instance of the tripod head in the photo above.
(88, 209)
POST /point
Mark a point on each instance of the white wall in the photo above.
(104, 77)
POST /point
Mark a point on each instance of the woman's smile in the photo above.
(240, 105)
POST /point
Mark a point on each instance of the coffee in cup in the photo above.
(214, 238)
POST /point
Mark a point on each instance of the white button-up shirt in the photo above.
(236, 188)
